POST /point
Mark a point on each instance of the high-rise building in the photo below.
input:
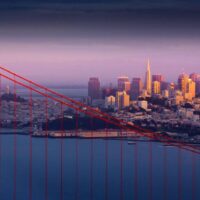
(136, 88)
(108, 91)
(127, 87)
(172, 89)
(191, 90)
(195, 77)
(94, 88)
(122, 100)
(182, 83)
(156, 87)
(124, 84)
(148, 81)
(158, 78)
(198, 88)
(187, 86)
(164, 85)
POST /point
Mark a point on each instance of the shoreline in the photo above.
(109, 135)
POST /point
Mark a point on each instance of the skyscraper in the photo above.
(124, 84)
(195, 77)
(191, 88)
(187, 86)
(122, 100)
(148, 81)
(156, 87)
(198, 88)
(136, 88)
(158, 77)
(94, 88)
(182, 83)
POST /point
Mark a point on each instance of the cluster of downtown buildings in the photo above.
(186, 89)
(152, 104)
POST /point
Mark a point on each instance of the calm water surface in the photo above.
(83, 177)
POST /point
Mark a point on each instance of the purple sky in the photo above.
(75, 61)
(68, 49)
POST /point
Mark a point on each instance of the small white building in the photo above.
(165, 93)
(186, 113)
(110, 102)
(143, 104)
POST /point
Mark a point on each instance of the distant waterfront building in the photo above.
(94, 88)
(123, 84)
(122, 100)
(110, 102)
(156, 87)
(148, 81)
(136, 88)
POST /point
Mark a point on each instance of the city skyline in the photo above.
(186, 88)
(99, 99)
(110, 78)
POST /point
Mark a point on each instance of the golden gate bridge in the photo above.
(120, 125)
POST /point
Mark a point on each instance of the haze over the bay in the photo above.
(49, 41)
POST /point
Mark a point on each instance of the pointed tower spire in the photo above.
(148, 64)
(148, 82)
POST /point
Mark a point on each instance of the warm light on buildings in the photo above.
(148, 81)
(187, 87)
(191, 90)
(156, 87)
(124, 84)
(122, 100)
(182, 83)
